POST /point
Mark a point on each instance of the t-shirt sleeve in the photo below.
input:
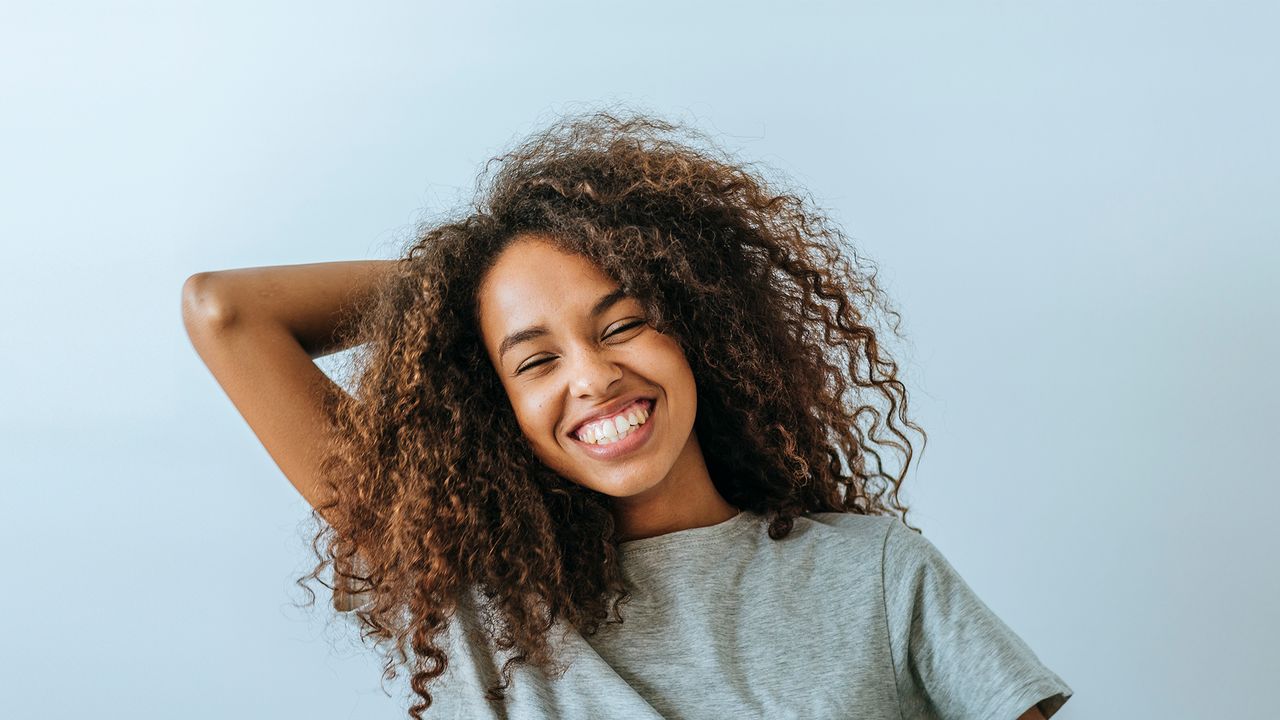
(953, 657)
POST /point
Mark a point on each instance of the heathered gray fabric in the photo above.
(850, 616)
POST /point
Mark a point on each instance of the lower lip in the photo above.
(634, 439)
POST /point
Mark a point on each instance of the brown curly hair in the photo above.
(754, 282)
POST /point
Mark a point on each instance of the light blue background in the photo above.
(1074, 206)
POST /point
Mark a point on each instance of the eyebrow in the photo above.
(537, 331)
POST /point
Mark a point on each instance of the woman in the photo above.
(611, 451)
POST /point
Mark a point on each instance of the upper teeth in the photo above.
(608, 430)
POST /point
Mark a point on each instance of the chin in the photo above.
(620, 487)
(616, 482)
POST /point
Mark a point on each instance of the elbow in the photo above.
(203, 307)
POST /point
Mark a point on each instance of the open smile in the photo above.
(634, 439)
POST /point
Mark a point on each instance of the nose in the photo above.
(593, 373)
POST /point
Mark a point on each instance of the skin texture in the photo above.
(446, 473)
(583, 363)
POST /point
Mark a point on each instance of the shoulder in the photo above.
(897, 546)
(862, 528)
(846, 534)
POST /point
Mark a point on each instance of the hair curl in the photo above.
(430, 496)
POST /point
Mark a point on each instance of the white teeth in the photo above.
(615, 428)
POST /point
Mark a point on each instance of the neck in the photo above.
(685, 499)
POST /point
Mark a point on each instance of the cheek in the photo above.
(537, 420)
(670, 364)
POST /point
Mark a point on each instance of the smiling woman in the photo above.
(611, 451)
(591, 358)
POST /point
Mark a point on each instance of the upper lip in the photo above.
(606, 410)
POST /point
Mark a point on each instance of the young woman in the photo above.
(611, 451)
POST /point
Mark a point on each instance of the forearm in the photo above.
(312, 300)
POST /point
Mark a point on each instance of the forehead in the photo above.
(533, 282)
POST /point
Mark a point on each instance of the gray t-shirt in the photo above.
(850, 616)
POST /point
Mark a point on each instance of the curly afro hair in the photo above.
(770, 305)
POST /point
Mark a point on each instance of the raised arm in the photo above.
(259, 329)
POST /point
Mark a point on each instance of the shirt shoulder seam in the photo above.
(884, 607)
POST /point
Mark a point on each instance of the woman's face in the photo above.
(573, 351)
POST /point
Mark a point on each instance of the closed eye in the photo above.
(624, 328)
(543, 361)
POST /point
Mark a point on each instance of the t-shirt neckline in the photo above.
(688, 536)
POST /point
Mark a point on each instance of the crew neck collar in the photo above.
(688, 536)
